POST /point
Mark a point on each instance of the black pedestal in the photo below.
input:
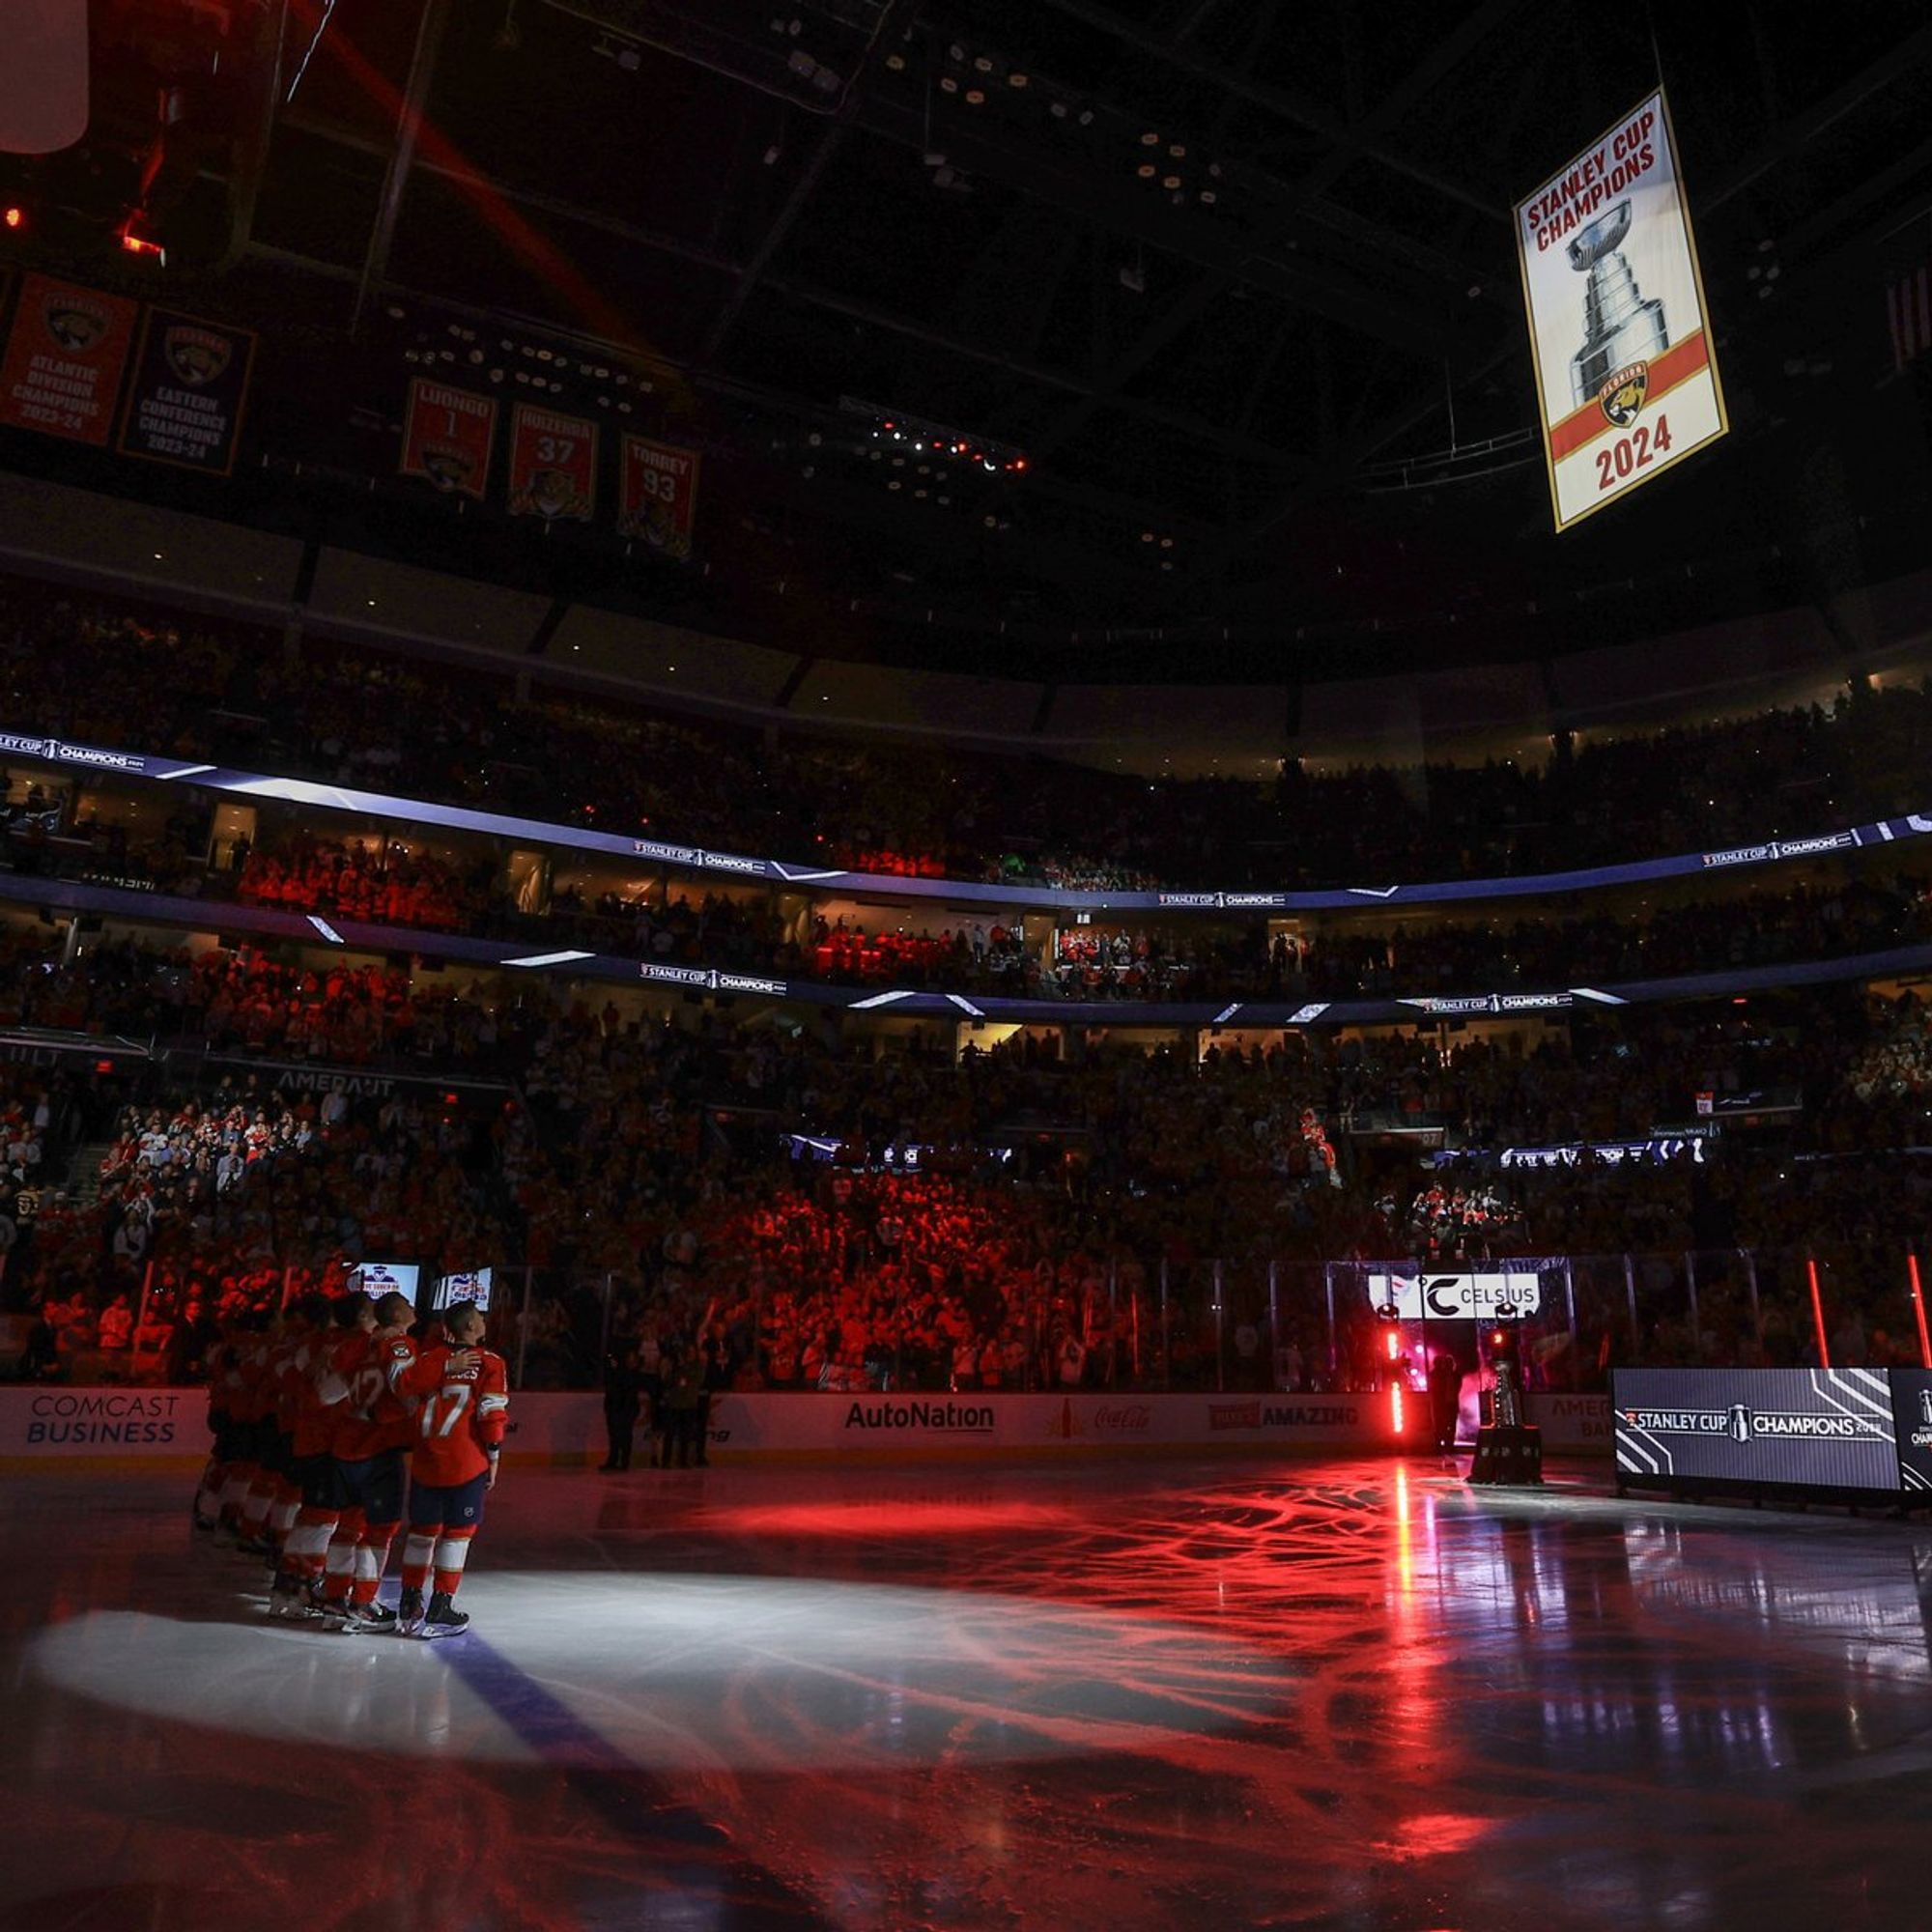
(1508, 1457)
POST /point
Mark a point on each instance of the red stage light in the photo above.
(1396, 1418)
(1918, 1311)
(1394, 1343)
(15, 217)
(1818, 1313)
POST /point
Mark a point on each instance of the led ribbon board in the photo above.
(1625, 371)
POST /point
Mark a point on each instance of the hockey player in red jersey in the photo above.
(250, 1491)
(299, 1580)
(463, 1392)
(217, 1497)
(288, 1392)
(372, 1430)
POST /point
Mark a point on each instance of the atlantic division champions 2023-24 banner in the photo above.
(1626, 372)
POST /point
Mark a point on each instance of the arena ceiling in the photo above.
(1235, 276)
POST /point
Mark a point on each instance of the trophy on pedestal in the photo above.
(1620, 327)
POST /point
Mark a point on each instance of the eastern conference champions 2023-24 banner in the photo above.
(1625, 373)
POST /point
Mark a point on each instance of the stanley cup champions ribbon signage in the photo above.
(1625, 373)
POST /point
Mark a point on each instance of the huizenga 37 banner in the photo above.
(552, 465)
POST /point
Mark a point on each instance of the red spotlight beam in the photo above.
(1919, 1310)
(1818, 1313)
(535, 253)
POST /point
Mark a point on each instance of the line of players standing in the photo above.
(313, 1416)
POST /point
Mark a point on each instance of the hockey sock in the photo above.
(255, 1510)
(339, 1566)
(234, 1493)
(208, 1496)
(372, 1551)
(451, 1551)
(306, 1552)
(417, 1550)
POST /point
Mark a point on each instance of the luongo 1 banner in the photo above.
(1626, 372)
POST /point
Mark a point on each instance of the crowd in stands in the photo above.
(380, 882)
(1063, 1227)
(1184, 958)
(1067, 1212)
(120, 675)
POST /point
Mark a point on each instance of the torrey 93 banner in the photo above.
(1625, 373)
(658, 494)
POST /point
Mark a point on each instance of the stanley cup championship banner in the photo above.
(552, 465)
(1625, 375)
(64, 355)
(447, 438)
(658, 494)
(190, 382)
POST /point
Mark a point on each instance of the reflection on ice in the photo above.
(714, 1673)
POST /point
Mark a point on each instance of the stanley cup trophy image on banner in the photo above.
(1626, 372)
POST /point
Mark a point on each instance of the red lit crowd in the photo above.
(380, 883)
(1062, 1225)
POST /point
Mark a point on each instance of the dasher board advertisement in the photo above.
(1626, 372)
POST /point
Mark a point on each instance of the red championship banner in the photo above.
(64, 360)
(447, 438)
(552, 465)
(658, 494)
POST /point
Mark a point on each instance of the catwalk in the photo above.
(1212, 1693)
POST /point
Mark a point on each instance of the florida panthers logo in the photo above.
(76, 325)
(1622, 396)
(196, 355)
(449, 466)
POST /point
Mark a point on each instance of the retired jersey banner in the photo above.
(552, 465)
(64, 355)
(658, 496)
(447, 438)
(190, 385)
(1626, 374)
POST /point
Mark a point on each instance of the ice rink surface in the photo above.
(1102, 1696)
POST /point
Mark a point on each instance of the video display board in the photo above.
(373, 1278)
(450, 1288)
(1626, 372)
(1828, 1428)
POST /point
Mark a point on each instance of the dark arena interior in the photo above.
(964, 964)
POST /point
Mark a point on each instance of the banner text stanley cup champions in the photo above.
(1625, 371)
